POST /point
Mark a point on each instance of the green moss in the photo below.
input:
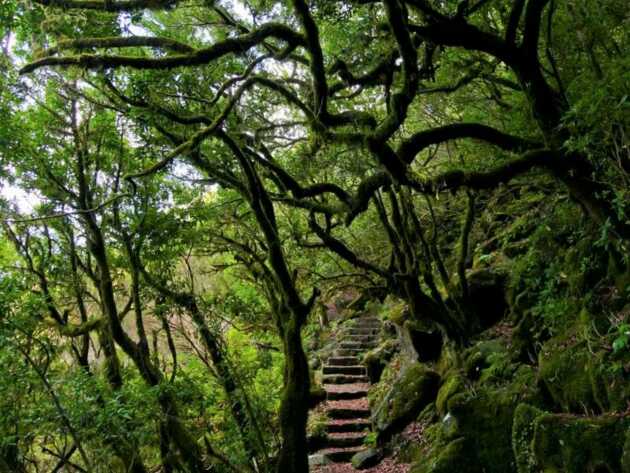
(450, 360)
(452, 386)
(482, 419)
(379, 390)
(568, 444)
(395, 310)
(578, 374)
(377, 359)
(382, 352)
(491, 355)
(414, 389)
(409, 452)
(522, 433)
(454, 457)
(317, 424)
(487, 420)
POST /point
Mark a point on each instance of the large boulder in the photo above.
(453, 457)
(413, 390)
(569, 444)
(474, 436)
(577, 372)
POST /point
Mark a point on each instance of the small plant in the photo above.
(370, 439)
(622, 340)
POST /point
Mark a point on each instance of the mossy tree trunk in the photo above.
(290, 313)
(294, 407)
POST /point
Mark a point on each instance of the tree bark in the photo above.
(294, 408)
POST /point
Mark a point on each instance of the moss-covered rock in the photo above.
(378, 391)
(450, 387)
(522, 434)
(413, 390)
(453, 457)
(568, 444)
(579, 376)
(376, 360)
(476, 431)
(450, 360)
(488, 360)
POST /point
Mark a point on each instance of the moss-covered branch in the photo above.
(120, 42)
(456, 179)
(318, 71)
(77, 330)
(110, 6)
(237, 45)
(410, 147)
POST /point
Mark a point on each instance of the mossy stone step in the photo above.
(362, 331)
(344, 360)
(348, 413)
(350, 426)
(371, 321)
(367, 326)
(344, 352)
(344, 395)
(344, 379)
(333, 441)
(343, 369)
(358, 345)
(360, 338)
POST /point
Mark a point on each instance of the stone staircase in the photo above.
(346, 384)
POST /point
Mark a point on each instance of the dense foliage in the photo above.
(185, 184)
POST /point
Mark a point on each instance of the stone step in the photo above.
(341, 369)
(344, 379)
(340, 455)
(343, 352)
(344, 360)
(344, 440)
(362, 331)
(342, 395)
(348, 413)
(358, 345)
(348, 426)
(360, 338)
(367, 321)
